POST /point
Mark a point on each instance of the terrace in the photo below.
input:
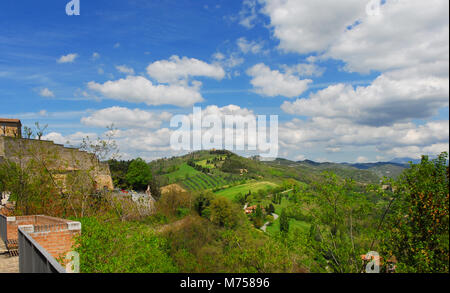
(34, 243)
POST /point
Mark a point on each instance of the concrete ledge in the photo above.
(73, 226)
(27, 228)
(10, 219)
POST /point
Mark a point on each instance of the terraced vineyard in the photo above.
(201, 181)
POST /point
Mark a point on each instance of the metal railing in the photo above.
(33, 258)
(3, 228)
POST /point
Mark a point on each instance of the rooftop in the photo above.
(9, 120)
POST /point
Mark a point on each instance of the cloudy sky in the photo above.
(350, 80)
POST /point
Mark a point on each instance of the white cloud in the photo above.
(126, 118)
(176, 68)
(116, 45)
(248, 15)
(273, 83)
(45, 92)
(252, 47)
(362, 159)
(406, 33)
(300, 158)
(333, 149)
(334, 134)
(387, 100)
(69, 58)
(311, 25)
(72, 139)
(125, 69)
(219, 56)
(95, 56)
(43, 113)
(305, 69)
(138, 89)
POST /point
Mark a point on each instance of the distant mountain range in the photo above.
(405, 161)
(381, 169)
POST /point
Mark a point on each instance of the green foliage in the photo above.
(224, 213)
(121, 247)
(341, 218)
(155, 188)
(270, 209)
(202, 202)
(174, 204)
(417, 230)
(199, 246)
(119, 171)
(284, 222)
(139, 174)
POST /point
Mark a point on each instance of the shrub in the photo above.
(417, 232)
(224, 213)
(121, 247)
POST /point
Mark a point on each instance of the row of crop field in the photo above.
(203, 181)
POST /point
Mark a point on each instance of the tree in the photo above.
(342, 217)
(104, 148)
(223, 213)
(119, 171)
(417, 229)
(270, 209)
(28, 132)
(240, 198)
(40, 130)
(284, 222)
(139, 174)
(155, 188)
(202, 201)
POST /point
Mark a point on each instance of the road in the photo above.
(264, 227)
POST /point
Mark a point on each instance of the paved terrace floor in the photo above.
(7, 264)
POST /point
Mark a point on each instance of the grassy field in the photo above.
(244, 188)
(293, 224)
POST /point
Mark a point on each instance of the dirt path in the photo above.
(172, 226)
(264, 227)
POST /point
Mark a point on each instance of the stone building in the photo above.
(10, 127)
(61, 160)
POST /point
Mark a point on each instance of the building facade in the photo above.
(10, 127)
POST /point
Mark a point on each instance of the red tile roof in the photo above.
(9, 120)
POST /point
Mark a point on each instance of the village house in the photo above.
(10, 127)
(252, 209)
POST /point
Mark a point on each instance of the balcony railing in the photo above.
(33, 257)
(3, 228)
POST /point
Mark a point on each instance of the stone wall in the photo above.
(62, 160)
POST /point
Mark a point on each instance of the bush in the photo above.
(224, 213)
(121, 247)
(172, 201)
(417, 233)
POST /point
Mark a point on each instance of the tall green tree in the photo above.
(139, 174)
(417, 229)
(341, 218)
(284, 222)
(224, 213)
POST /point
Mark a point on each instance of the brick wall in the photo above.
(56, 236)
(57, 243)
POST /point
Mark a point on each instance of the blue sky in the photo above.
(348, 83)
